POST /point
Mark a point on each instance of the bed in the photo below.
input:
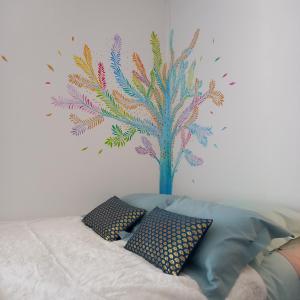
(61, 258)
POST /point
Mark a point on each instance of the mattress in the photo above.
(60, 258)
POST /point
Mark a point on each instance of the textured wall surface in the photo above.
(258, 154)
(253, 153)
(43, 172)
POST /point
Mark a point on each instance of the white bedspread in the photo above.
(62, 259)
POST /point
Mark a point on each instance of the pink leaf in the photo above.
(101, 75)
(185, 135)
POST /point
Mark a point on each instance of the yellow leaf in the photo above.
(87, 54)
(50, 68)
(81, 64)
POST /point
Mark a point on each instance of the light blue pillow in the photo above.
(147, 202)
(150, 201)
(234, 239)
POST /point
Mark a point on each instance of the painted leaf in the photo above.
(101, 76)
(83, 125)
(185, 135)
(126, 102)
(87, 54)
(116, 130)
(78, 129)
(137, 83)
(147, 144)
(192, 159)
(78, 101)
(171, 37)
(216, 96)
(82, 82)
(155, 43)
(201, 133)
(139, 65)
(190, 76)
(115, 57)
(140, 77)
(50, 68)
(141, 150)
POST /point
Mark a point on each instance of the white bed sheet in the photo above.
(62, 259)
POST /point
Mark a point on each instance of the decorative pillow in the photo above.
(148, 202)
(167, 239)
(111, 217)
(234, 240)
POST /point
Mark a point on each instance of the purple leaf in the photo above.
(117, 43)
(78, 129)
(192, 159)
(141, 150)
(148, 146)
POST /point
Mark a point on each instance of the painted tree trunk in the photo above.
(165, 180)
(165, 176)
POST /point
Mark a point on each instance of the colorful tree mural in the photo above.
(162, 104)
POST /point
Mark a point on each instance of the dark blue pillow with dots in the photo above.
(166, 239)
(111, 217)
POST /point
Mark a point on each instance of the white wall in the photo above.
(259, 45)
(43, 172)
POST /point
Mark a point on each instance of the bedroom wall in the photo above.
(257, 157)
(252, 155)
(44, 171)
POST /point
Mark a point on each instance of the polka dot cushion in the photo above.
(111, 217)
(166, 239)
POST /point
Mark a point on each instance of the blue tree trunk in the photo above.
(165, 180)
(165, 144)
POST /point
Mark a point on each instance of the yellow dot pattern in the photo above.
(166, 239)
(111, 217)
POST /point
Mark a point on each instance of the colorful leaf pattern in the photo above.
(159, 104)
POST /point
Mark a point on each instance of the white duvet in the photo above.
(61, 259)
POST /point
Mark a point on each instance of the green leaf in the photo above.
(116, 130)
(190, 75)
(109, 141)
(155, 43)
(120, 138)
(138, 85)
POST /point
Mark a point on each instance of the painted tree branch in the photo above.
(159, 104)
